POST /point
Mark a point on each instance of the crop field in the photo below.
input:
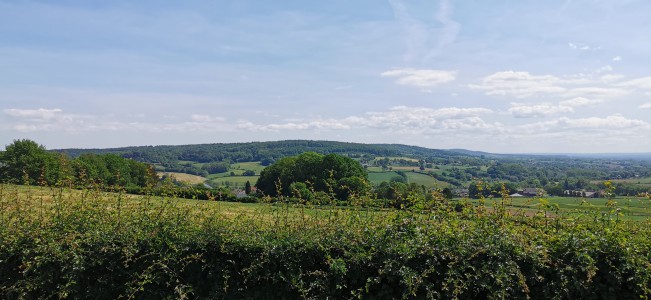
(183, 177)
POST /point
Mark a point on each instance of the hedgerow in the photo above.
(57, 243)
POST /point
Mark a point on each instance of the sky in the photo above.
(497, 76)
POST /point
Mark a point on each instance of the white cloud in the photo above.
(41, 113)
(402, 119)
(606, 68)
(56, 120)
(617, 58)
(420, 78)
(329, 124)
(524, 85)
(519, 84)
(609, 78)
(520, 110)
(395, 119)
(640, 83)
(614, 121)
(583, 47)
(579, 102)
(595, 92)
(645, 105)
(579, 126)
(206, 118)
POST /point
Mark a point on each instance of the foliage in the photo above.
(58, 243)
(454, 167)
(321, 172)
(26, 162)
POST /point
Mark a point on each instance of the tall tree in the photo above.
(25, 161)
(247, 187)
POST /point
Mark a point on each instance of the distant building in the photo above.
(581, 193)
(463, 193)
(531, 192)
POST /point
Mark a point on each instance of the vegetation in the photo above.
(27, 162)
(61, 243)
(429, 167)
(312, 172)
(321, 229)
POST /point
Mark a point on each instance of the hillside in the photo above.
(259, 151)
(221, 163)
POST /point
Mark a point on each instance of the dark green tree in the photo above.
(247, 187)
(321, 172)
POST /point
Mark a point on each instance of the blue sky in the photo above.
(498, 76)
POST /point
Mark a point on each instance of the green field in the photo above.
(632, 208)
(241, 167)
(426, 180)
(378, 177)
(232, 181)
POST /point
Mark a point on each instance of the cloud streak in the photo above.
(420, 78)
(522, 85)
(424, 40)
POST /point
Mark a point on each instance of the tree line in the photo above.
(26, 162)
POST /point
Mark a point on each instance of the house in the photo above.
(581, 193)
(531, 192)
(463, 193)
(590, 195)
(240, 194)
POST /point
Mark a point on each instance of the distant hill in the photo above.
(260, 151)
(457, 167)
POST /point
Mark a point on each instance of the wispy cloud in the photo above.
(582, 47)
(420, 78)
(525, 85)
(639, 83)
(519, 84)
(579, 102)
(616, 122)
(35, 114)
(425, 39)
(450, 30)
